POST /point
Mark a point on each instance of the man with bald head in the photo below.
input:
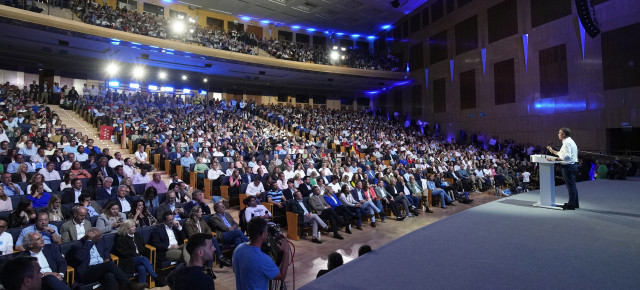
(76, 228)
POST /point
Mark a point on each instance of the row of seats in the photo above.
(109, 240)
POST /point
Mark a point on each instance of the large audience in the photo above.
(345, 168)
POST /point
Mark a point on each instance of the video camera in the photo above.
(272, 243)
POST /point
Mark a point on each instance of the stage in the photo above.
(509, 244)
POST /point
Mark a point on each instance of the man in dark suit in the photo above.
(171, 204)
(92, 262)
(123, 199)
(305, 188)
(290, 190)
(54, 271)
(397, 192)
(227, 229)
(107, 191)
(302, 208)
(103, 166)
(118, 176)
(247, 176)
(168, 240)
(70, 195)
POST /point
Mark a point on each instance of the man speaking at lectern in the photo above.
(568, 155)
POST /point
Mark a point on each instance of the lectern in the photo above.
(547, 181)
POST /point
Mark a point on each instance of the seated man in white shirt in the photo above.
(254, 209)
(129, 168)
(142, 177)
(81, 156)
(116, 160)
(255, 188)
(49, 172)
(67, 164)
(53, 266)
(75, 229)
(169, 240)
(6, 240)
(141, 156)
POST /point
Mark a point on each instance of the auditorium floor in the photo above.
(310, 258)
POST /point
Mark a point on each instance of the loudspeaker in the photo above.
(585, 17)
(395, 3)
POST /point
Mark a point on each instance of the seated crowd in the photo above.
(74, 191)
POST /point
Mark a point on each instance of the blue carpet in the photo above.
(508, 244)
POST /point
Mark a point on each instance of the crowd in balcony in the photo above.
(236, 40)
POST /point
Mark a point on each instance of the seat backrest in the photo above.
(53, 184)
(243, 188)
(65, 247)
(139, 188)
(109, 241)
(15, 200)
(15, 233)
(224, 180)
(23, 186)
(145, 232)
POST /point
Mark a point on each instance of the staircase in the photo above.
(75, 121)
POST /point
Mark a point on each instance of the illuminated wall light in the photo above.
(152, 46)
(245, 18)
(355, 35)
(311, 29)
(134, 86)
(114, 84)
(115, 39)
(295, 27)
(184, 77)
(371, 37)
(326, 32)
(162, 75)
(186, 91)
(166, 89)
(115, 42)
(386, 26)
(265, 21)
(205, 80)
(138, 72)
(203, 92)
(153, 88)
(339, 33)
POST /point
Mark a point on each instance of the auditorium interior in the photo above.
(406, 88)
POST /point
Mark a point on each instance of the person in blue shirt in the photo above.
(445, 199)
(49, 232)
(10, 188)
(252, 267)
(187, 160)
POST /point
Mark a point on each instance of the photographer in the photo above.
(252, 267)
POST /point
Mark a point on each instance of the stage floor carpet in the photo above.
(508, 244)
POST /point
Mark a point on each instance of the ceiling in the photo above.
(364, 17)
(32, 46)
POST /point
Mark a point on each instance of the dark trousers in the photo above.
(392, 205)
(342, 210)
(356, 213)
(569, 172)
(50, 282)
(108, 274)
(329, 214)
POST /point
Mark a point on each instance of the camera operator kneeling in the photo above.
(252, 267)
